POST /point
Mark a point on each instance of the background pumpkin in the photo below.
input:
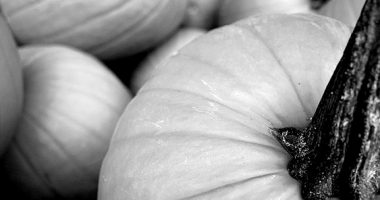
(234, 10)
(347, 11)
(72, 104)
(105, 28)
(201, 13)
(147, 68)
(10, 85)
(199, 129)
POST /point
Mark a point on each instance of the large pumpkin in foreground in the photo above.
(109, 28)
(72, 104)
(10, 85)
(199, 129)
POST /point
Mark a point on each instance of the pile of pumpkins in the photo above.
(162, 99)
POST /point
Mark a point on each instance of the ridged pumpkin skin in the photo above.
(160, 55)
(233, 10)
(72, 104)
(347, 11)
(10, 85)
(199, 129)
(107, 29)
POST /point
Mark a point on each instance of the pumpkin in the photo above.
(200, 127)
(72, 104)
(347, 11)
(160, 55)
(10, 85)
(201, 13)
(107, 29)
(234, 10)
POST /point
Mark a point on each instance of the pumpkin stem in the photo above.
(338, 154)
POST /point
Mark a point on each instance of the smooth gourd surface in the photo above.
(347, 11)
(233, 10)
(199, 129)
